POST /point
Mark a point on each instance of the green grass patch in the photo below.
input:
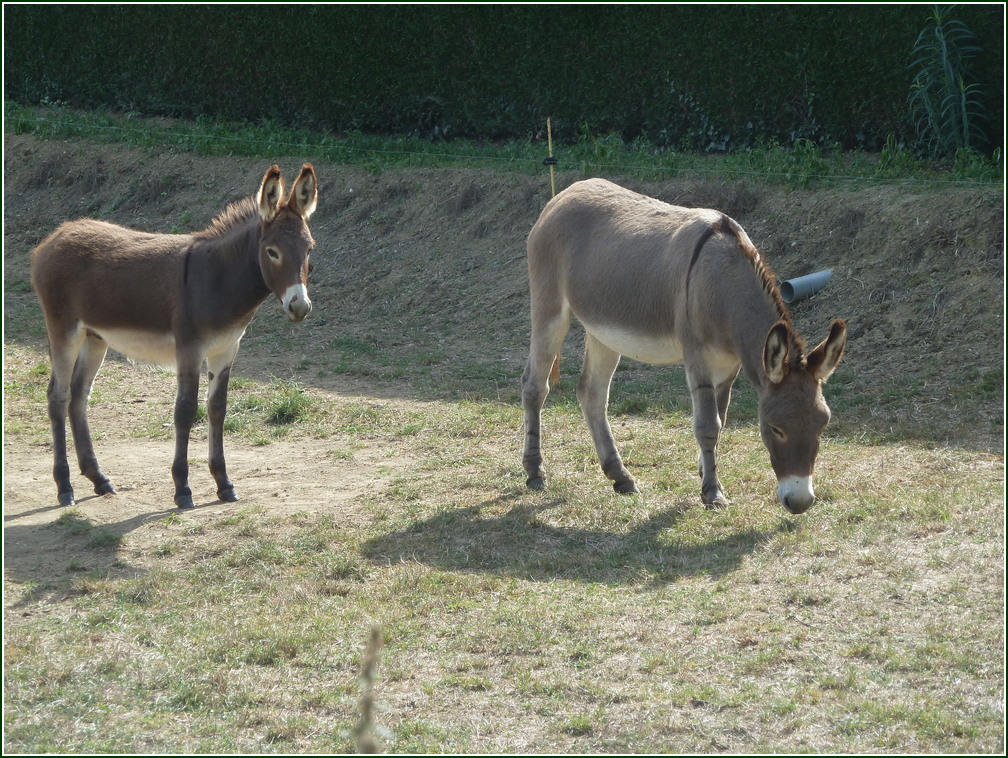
(806, 163)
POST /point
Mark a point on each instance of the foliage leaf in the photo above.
(945, 100)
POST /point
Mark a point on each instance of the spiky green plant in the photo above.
(945, 101)
(291, 404)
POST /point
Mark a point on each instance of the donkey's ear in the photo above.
(827, 354)
(304, 195)
(775, 353)
(270, 194)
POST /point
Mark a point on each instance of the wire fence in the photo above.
(140, 133)
(529, 157)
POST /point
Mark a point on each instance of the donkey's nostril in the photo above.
(796, 506)
(298, 309)
(796, 494)
(296, 302)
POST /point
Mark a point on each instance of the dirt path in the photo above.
(288, 476)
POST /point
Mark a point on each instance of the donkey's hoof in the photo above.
(227, 495)
(626, 487)
(66, 499)
(184, 501)
(536, 483)
(105, 488)
(718, 501)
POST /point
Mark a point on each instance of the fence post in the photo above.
(550, 161)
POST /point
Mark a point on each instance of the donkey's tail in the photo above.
(555, 371)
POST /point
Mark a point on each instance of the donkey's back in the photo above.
(99, 274)
(577, 216)
(626, 265)
(598, 224)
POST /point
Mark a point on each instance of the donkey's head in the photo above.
(792, 410)
(284, 242)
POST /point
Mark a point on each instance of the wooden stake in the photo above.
(549, 138)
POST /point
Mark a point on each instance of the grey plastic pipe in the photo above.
(803, 286)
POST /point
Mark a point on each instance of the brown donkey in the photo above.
(670, 285)
(172, 299)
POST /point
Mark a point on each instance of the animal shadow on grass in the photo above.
(519, 543)
(48, 559)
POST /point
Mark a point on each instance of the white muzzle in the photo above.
(296, 303)
(796, 493)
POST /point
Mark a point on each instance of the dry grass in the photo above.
(567, 621)
(387, 493)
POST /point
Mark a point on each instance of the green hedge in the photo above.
(684, 76)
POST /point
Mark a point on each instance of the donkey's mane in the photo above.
(236, 214)
(768, 280)
(762, 269)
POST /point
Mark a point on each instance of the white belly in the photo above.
(159, 347)
(663, 350)
(150, 347)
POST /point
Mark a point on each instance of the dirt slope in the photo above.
(434, 260)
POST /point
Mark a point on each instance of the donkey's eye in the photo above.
(778, 432)
(272, 253)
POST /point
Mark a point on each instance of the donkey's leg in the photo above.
(89, 361)
(218, 375)
(186, 401)
(547, 339)
(707, 425)
(723, 393)
(593, 393)
(63, 348)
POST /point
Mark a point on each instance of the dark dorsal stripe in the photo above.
(727, 225)
(767, 278)
(719, 226)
